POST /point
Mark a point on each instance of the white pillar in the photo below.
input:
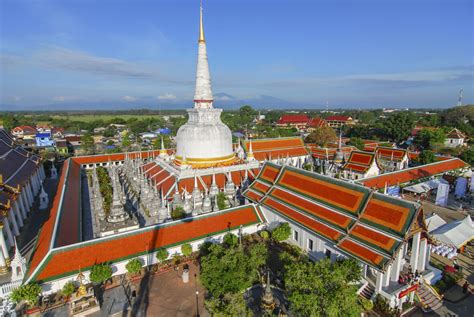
(29, 198)
(42, 173)
(415, 251)
(21, 206)
(386, 276)
(378, 282)
(4, 248)
(422, 255)
(16, 232)
(3, 264)
(17, 213)
(6, 228)
(33, 184)
(397, 265)
(30, 189)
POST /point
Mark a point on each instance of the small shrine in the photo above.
(83, 302)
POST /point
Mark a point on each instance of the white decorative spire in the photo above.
(203, 92)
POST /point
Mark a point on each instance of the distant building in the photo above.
(391, 159)
(24, 132)
(315, 123)
(57, 132)
(44, 139)
(293, 120)
(360, 165)
(455, 138)
(339, 121)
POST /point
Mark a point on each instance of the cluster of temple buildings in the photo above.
(339, 212)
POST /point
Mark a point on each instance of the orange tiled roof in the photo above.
(414, 173)
(392, 154)
(265, 149)
(67, 261)
(359, 161)
(293, 119)
(361, 223)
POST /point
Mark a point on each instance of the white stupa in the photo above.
(204, 140)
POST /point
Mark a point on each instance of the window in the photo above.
(310, 245)
(295, 235)
(328, 253)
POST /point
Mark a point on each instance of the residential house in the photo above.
(455, 138)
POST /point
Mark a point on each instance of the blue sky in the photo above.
(349, 53)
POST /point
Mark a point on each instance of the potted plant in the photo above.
(67, 290)
(134, 267)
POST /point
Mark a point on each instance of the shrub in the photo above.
(162, 254)
(366, 304)
(186, 249)
(100, 273)
(282, 232)
(134, 266)
(230, 239)
(28, 292)
(264, 234)
(68, 289)
(221, 201)
(178, 213)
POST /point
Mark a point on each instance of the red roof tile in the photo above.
(338, 118)
(117, 248)
(414, 173)
(293, 119)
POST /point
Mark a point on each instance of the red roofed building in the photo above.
(391, 159)
(415, 173)
(455, 138)
(339, 121)
(335, 219)
(292, 150)
(315, 123)
(360, 165)
(299, 121)
(24, 132)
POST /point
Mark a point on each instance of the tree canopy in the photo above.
(134, 266)
(426, 157)
(100, 273)
(29, 292)
(323, 288)
(429, 138)
(399, 125)
(322, 136)
(231, 270)
(282, 232)
(357, 142)
(162, 254)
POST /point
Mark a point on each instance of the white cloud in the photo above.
(64, 98)
(166, 97)
(129, 98)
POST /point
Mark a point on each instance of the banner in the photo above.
(442, 194)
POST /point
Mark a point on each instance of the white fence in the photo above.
(7, 288)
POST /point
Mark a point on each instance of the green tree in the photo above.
(186, 249)
(233, 270)
(322, 136)
(228, 305)
(100, 273)
(399, 125)
(221, 201)
(28, 292)
(357, 142)
(322, 288)
(68, 289)
(468, 156)
(162, 254)
(126, 140)
(134, 266)
(429, 138)
(282, 232)
(87, 144)
(178, 213)
(426, 157)
(231, 239)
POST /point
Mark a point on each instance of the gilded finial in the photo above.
(201, 27)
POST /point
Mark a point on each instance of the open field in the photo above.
(104, 117)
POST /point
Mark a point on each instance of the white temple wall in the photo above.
(118, 268)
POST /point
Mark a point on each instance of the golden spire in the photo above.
(201, 27)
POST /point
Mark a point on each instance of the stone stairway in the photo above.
(429, 300)
(368, 291)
